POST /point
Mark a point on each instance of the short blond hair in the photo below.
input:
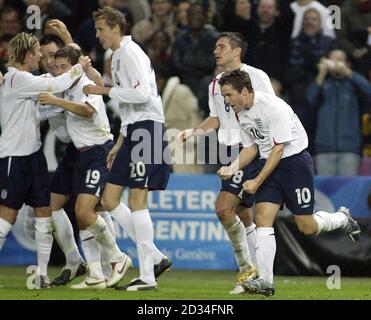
(112, 17)
(19, 46)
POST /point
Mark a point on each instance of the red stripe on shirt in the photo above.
(213, 87)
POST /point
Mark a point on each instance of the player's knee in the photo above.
(307, 229)
(108, 203)
(224, 212)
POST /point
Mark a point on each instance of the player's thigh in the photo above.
(296, 179)
(266, 213)
(111, 197)
(306, 224)
(58, 201)
(138, 199)
(8, 214)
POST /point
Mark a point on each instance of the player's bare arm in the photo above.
(112, 154)
(99, 90)
(251, 186)
(245, 157)
(57, 27)
(80, 109)
(208, 125)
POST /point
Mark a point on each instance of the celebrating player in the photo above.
(230, 48)
(23, 168)
(286, 172)
(88, 126)
(142, 126)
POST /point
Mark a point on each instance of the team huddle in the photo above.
(271, 167)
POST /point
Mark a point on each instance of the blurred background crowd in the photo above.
(289, 40)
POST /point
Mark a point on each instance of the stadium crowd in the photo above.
(322, 72)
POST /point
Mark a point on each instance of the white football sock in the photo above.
(107, 217)
(44, 242)
(104, 237)
(237, 234)
(123, 216)
(265, 252)
(251, 241)
(5, 227)
(105, 259)
(90, 246)
(144, 234)
(330, 221)
(63, 233)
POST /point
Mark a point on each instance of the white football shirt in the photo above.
(134, 85)
(229, 131)
(271, 121)
(86, 132)
(57, 118)
(20, 117)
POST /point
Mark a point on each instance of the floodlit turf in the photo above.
(183, 285)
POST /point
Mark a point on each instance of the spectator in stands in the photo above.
(192, 52)
(158, 47)
(305, 53)
(163, 17)
(140, 9)
(268, 38)
(10, 21)
(181, 15)
(355, 33)
(181, 112)
(336, 95)
(237, 14)
(4, 54)
(301, 6)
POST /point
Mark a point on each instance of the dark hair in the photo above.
(70, 53)
(112, 17)
(50, 38)
(236, 40)
(237, 79)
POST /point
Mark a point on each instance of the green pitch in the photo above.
(184, 285)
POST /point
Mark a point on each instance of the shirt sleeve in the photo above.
(29, 85)
(246, 139)
(138, 72)
(280, 126)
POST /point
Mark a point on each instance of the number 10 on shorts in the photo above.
(303, 195)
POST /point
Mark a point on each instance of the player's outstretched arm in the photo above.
(251, 186)
(246, 155)
(208, 125)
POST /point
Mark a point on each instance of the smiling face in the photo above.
(47, 60)
(62, 65)
(312, 22)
